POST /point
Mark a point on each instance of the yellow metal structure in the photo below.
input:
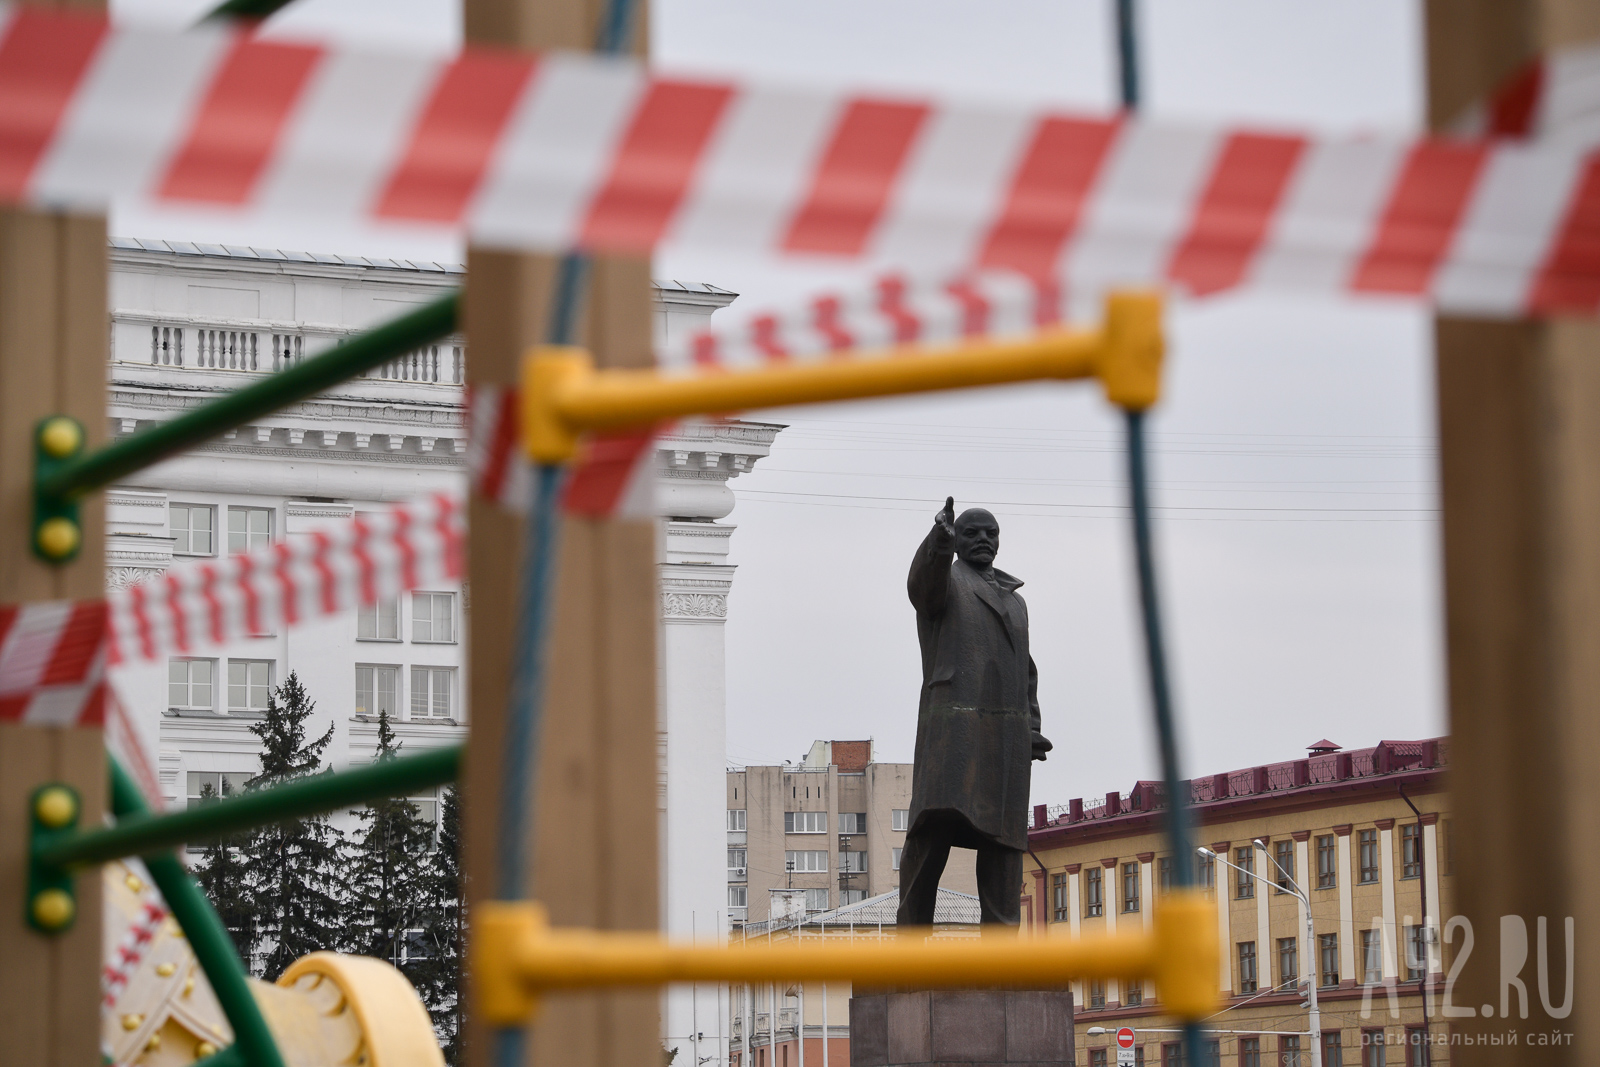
(564, 395)
(327, 1010)
(517, 957)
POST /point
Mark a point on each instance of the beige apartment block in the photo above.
(1378, 875)
(831, 826)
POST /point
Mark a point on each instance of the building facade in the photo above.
(1377, 874)
(830, 827)
(189, 323)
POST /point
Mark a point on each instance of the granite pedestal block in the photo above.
(935, 1028)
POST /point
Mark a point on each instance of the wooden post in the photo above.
(594, 844)
(53, 330)
(1519, 429)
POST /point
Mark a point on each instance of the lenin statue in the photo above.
(977, 722)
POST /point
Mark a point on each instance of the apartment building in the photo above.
(831, 826)
(1340, 824)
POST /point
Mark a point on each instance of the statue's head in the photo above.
(977, 537)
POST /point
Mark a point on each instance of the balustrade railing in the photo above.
(222, 348)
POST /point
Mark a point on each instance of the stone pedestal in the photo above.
(993, 1027)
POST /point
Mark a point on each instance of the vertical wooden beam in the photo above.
(594, 842)
(1519, 431)
(53, 330)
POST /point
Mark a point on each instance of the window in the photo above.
(190, 682)
(806, 861)
(894, 857)
(1138, 1056)
(1283, 864)
(735, 820)
(1416, 952)
(1130, 887)
(852, 822)
(1097, 994)
(1332, 1049)
(1164, 874)
(851, 896)
(853, 862)
(1132, 994)
(816, 900)
(192, 530)
(1417, 1050)
(1411, 851)
(206, 786)
(1061, 897)
(805, 822)
(249, 684)
(1205, 872)
(736, 862)
(427, 805)
(1097, 1056)
(1249, 1052)
(380, 621)
(1372, 1048)
(901, 819)
(1247, 967)
(433, 618)
(377, 690)
(1213, 1054)
(431, 689)
(1369, 856)
(1093, 901)
(1172, 1055)
(1328, 949)
(249, 529)
(738, 896)
(1327, 862)
(1244, 882)
(1288, 960)
(1371, 957)
(1289, 1050)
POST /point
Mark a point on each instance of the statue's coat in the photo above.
(979, 713)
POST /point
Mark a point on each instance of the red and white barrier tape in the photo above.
(565, 151)
(131, 948)
(53, 663)
(613, 475)
(325, 572)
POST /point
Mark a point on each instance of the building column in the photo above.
(1147, 896)
(1110, 901)
(1302, 870)
(1391, 934)
(1263, 889)
(1430, 874)
(1220, 882)
(1347, 907)
(1074, 924)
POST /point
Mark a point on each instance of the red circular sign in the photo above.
(1125, 1037)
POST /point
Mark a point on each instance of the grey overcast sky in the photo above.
(1294, 453)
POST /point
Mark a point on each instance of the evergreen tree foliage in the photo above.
(388, 881)
(442, 935)
(220, 874)
(294, 870)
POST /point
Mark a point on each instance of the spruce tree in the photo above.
(388, 879)
(437, 975)
(293, 871)
(220, 874)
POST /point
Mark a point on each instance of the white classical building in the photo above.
(192, 322)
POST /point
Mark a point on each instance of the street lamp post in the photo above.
(1311, 946)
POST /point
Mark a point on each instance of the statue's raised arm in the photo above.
(929, 582)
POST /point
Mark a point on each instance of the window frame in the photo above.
(1283, 872)
(1411, 842)
(1244, 876)
(1327, 873)
(1328, 950)
(1163, 874)
(1288, 953)
(1250, 1051)
(248, 510)
(172, 529)
(740, 812)
(189, 683)
(432, 673)
(432, 597)
(858, 819)
(1246, 954)
(1131, 877)
(247, 708)
(1414, 938)
(791, 821)
(900, 819)
(1371, 946)
(792, 855)
(1061, 897)
(894, 856)
(1367, 845)
(372, 611)
(399, 696)
(1094, 893)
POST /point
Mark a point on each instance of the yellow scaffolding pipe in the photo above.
(518, 957)
(564, 395)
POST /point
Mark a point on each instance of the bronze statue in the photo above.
(977, 723)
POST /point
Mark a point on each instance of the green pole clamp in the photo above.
(51, 904)
(57, 530)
